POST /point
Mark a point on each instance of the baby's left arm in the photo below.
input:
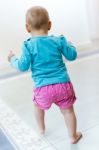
(68, 50)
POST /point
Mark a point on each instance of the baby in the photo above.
(43, 53)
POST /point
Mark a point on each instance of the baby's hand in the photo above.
(11, 54)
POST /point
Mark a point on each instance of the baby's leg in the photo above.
(39, 114)
(70, 120)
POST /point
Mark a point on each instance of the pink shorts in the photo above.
(61, 94)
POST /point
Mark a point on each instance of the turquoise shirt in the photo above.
(44, 55)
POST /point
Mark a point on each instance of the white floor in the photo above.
(16, 92)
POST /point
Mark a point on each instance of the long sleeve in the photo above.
(68, 50)
(23, 63)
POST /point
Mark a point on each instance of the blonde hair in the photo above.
(37, 17)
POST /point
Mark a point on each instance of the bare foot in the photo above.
(74, 140)
(42, 131)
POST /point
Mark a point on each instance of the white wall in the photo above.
(69, 17)
(93, 17)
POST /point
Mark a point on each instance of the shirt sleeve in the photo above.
(68, 50)
(23, 63)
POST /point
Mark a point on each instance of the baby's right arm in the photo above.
(23, 63)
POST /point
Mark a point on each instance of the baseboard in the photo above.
(84, 46)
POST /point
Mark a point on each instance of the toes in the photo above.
(78, 137)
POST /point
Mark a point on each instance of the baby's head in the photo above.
(37, 18)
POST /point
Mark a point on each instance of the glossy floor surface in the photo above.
(16, 92)
(4, 142)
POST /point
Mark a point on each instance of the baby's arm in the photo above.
(68, 50)
(23, 63)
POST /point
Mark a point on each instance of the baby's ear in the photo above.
(27, 28)
(49, 25)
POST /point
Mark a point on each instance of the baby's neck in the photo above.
(39, 33)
